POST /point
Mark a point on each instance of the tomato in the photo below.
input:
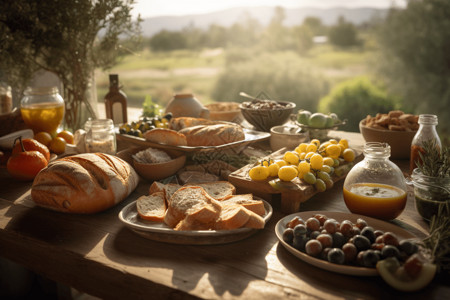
(31, 145)
(67, 136)
(43, 137)
(25, 165)
(58, 145)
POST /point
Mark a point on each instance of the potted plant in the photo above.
(70, 39)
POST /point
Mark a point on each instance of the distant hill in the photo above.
(226, 18)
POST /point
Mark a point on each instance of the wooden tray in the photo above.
(292, 193)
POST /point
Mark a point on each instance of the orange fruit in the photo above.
(58, 145)
(26, 165)
(67, 136)
(31, 145)
(43, 137)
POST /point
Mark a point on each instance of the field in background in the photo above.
(163, 74)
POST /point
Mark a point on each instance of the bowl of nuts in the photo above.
(265, 114)
(395, 128)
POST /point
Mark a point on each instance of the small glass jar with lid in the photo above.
(376, 187)
(42, 109)
(100, 136)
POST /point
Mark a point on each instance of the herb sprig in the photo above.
(434, 162)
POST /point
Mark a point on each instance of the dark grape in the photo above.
(337, 256)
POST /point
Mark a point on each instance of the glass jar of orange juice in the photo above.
(42, 109)
(376, 186)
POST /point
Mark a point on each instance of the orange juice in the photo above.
(375, 200)
(43, 116)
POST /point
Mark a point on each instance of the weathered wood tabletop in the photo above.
(98, 255)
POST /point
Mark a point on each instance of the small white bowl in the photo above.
(286, 136)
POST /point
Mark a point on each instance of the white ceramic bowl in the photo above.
(286, 136)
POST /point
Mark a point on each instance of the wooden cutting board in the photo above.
(291, 194)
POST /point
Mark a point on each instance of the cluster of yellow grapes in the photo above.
(313, 163)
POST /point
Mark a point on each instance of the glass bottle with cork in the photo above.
(427, 131)
(116, 101)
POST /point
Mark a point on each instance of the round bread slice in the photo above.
(152, 207)
(165, 136)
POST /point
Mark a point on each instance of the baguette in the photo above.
(165, 136)
(184, 122)
(84, 183)
(213, 135)
(152, 207)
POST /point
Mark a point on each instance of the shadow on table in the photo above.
(228, 267)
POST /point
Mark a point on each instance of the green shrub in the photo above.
(279, 76)
(356, 98)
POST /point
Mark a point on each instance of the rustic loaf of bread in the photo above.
(165, 136)
(84, 183)
(184, 122)
(213, 135)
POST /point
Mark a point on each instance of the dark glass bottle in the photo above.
(116, 101)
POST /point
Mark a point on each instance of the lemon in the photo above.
(316, 161)
(349, 155)
(273, 170)
(259, 173)
(328, 161)
(281, 163)
(302, 156)
(315, 142)
(302, 147)
(287, 173)
(311, 148)
(344, 143)
(333, 141)
(266, 162)
(43, 137)
(304, 167)
(309, 154)
(291, 157)
(58, 145)
(390, 270)
(333, 151)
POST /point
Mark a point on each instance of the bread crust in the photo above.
(165, 136)
(84, 183)
(213, 135)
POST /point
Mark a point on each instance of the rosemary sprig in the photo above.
(438, 242)
(434, 162)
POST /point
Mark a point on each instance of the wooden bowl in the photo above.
(156, 171)
(225, 111)
(264, 119)
(400, 141)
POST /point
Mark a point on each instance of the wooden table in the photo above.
(98, 255)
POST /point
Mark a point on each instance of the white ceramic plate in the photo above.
(8, 140)
(339, 216)
(251, 136)
(163, 233)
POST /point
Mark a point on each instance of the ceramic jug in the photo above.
(186, 105)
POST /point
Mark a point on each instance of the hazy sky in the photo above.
(152, 8)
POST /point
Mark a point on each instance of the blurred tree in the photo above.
(415, 57)
(276, 36)
(303, 38)
(356, 98)
(315, 25)
(168, 40)
(68, 38)
(281, 77)
(343, 34)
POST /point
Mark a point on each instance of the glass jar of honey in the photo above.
(42, 109)
(376, 187)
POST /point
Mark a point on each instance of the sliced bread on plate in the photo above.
(193, 203)
(247, 201)
(219, 190)
(152, 207)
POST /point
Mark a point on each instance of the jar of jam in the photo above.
(427, 132)
(376, 186)
(42, 109)
(100, 136)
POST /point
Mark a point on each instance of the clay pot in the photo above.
(186, 105)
